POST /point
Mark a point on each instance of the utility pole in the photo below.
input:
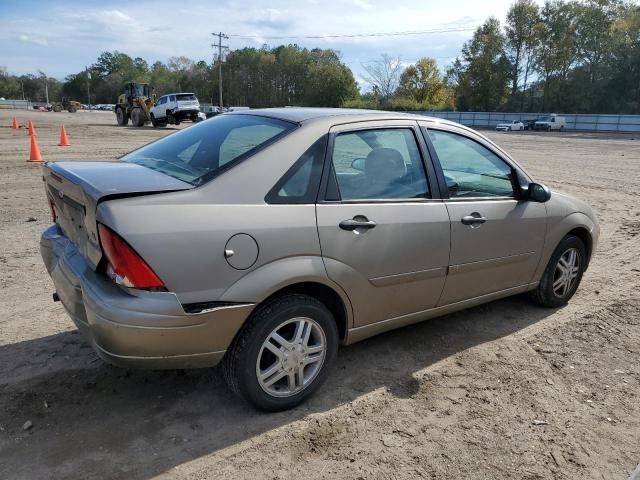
(46, 89)
(88, 83)
(220, 47)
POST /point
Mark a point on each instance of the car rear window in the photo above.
(186, 96)
(201, 152)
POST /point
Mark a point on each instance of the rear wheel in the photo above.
(121, 117)
(154, 122)
(57, 108)
(72, 110)
(284, 353)
(563, 274)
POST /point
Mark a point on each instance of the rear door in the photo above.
(383, 231)
(496, 238)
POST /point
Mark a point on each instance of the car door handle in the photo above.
(473, 219)
(352, 224)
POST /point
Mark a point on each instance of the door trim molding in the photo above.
(493, 262)
(407, 277)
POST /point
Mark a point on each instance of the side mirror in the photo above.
(538, 192)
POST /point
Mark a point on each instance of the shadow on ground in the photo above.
(110, 423)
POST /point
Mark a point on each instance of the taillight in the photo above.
(125, 266)
(52, 208)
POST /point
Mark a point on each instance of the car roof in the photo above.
(340, 115)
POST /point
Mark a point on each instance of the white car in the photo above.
(174, 108)
(512, 125)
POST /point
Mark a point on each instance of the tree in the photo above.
(623, 64)
(521, 41)
(594, 41)
(482, 73)
(383, 75)
(556, 52)
(423, 83)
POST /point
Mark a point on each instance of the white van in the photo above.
(552, 122)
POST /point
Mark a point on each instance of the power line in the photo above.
(355, 35)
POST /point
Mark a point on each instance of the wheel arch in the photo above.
(576, 223)
(583, 234)
(324, 294)
(304, 274)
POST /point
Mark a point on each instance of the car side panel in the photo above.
(185, 243)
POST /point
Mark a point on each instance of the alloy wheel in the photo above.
(566, 272)
(291, 357)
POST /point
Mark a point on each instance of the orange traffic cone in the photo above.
(35, 150)
(32, 129)
(14, 124)
(64, 140)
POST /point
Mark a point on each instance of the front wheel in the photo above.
(563, 274)
(283, 354)
(121, 117)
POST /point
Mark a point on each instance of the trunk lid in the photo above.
(76, 188)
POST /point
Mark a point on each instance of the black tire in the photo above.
(57, 108)
(170, 118)
(121, 117)
(544, 294)
(73, 109)
(240, 361)
(137, 117)
(154, 122)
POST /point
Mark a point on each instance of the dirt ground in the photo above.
(504, 390)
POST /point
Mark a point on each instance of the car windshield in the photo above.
(202, 151)
(186, 96)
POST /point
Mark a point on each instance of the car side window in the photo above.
(470, 169)
(300, 184)
(172, 98)
(379, 164)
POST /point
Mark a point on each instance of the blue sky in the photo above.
(61, 37)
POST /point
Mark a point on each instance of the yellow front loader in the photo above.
(67, 104)
(134, 104)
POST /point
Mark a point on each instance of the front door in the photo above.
(496, 239)
(384, 239)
